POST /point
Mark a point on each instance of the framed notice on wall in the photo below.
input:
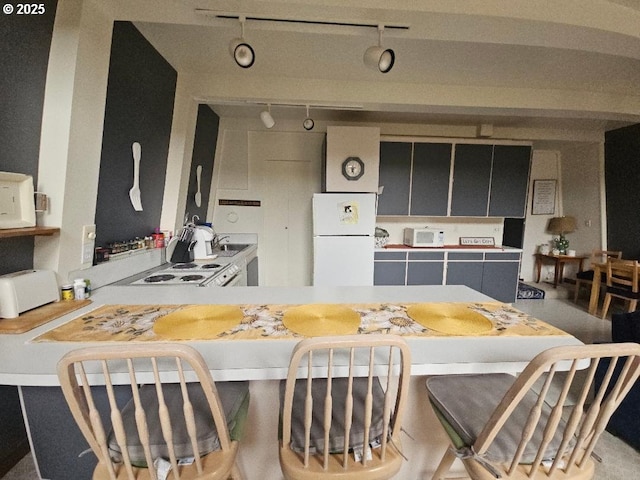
(544, 197)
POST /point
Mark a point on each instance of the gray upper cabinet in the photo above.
(484, 180)
(395, 174)
(509, 181)
(471, 180)
(430, 179)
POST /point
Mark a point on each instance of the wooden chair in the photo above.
(544, 424)
(585, 277)
(622, 282)
(342, 417)
(160, 420)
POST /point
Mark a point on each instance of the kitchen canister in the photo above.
(67, 292)
(79, 287)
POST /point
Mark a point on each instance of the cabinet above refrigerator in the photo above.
(352, 159)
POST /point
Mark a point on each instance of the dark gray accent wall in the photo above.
(139, 108)
(25, 41)
(622, 178)
(204, 149)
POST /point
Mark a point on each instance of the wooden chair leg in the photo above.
(445, 465)
(605, 305)
(235, 473)
(633, 304)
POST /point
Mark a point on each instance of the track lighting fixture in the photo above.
(379, 58)
(308, 122)
(266, 117)
(240, 50)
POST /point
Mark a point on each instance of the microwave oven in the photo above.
(423, 237)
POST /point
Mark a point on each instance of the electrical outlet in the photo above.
(88, 244)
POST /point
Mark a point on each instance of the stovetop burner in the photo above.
(192, 278)
(209, 266)
(165, 277)
(183, 266)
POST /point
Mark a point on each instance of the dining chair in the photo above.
(585, 277)
(542, 424)
(342, 406)
(148, 408)
(622, 282)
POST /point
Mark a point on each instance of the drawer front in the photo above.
(465, 256)
(426, 256)
(390, 255)
(513, 256)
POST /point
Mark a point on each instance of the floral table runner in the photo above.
(136, 322)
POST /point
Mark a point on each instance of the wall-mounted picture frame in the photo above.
(544, 197)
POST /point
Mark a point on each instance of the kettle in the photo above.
(203, 236)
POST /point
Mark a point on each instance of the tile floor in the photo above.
(620, 462)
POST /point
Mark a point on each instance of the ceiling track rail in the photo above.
(330, 23)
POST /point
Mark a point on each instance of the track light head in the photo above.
(266, 117)
(241, 51)
(379, 58)
(308, 122)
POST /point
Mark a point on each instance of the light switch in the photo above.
(88, 244)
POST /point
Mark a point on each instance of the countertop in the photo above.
(23, 362)
(397, 247)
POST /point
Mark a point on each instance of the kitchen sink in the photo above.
(238, 247)
(230, 249)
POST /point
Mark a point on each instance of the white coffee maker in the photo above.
(203, 236)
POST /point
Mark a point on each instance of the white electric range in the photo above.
(200, 274)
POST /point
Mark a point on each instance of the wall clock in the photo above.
(352, 168)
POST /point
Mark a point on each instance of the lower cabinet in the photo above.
(492, 273)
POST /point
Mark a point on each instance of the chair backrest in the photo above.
(351, 365)
(574, 414)
(602, 256)
(623, 273)
(113, 375)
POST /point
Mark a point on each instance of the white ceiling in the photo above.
(537, 64)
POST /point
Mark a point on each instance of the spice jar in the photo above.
(67, 292)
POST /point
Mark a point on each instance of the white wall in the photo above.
(71, 139)
(545, 165)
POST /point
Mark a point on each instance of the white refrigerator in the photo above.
(343, 238)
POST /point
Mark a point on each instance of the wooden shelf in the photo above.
(27, 231)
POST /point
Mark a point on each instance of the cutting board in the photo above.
(39, 316)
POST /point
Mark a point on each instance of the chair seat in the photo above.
(339, 388)
(586, 275)
(465, 415)
(234, 397)
(623, 292)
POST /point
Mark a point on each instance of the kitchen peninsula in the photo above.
(30, 364)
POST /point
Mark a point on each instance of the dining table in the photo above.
(258, 348)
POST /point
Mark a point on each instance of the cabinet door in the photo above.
(509, 181)
(389, 273)
(465, 273)
(430, 179)
(425, 273)
(500, 280)
(395, 172)
(471, 179)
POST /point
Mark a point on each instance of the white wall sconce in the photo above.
(240, 50)
(379, 58)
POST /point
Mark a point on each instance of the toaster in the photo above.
(26, 289)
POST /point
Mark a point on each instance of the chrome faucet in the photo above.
(215, 243)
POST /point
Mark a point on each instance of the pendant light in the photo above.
(266, 117)
(379, 58)
(308, 122)
(240, 50)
